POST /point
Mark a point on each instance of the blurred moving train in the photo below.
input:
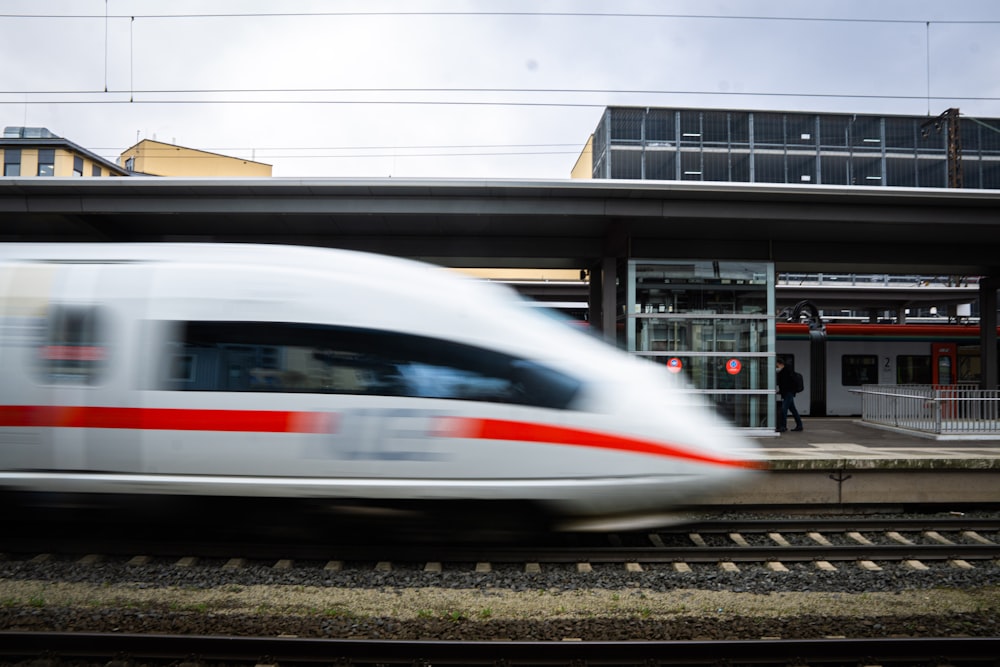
(836, 358)
(237, 371)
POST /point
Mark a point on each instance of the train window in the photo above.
(913, 369)
(969, 363)
(858, 369)
(75, 348)
(182, 368)
(284, 357)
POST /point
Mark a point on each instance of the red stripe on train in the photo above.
(175, 419)
(279, 421)
(495, 429)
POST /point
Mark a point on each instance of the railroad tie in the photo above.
(779, 539)
(739, 539)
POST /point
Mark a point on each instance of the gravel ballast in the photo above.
(558, 603)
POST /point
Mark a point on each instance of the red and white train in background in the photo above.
(836, 358)
(239, 371)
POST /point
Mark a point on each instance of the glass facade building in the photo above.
(711, 322)
(787, 147)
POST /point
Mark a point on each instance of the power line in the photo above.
(355, 156)
(560, 91)
(638, 15)
(374, 148)
(402, 102)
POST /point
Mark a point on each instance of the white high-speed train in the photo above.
(214, 370)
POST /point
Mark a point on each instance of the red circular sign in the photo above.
(733, 366)
(674, 365)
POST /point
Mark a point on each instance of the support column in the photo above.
(609, 295)
(595, 306)
(988, 331)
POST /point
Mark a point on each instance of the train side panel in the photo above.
(853, 363)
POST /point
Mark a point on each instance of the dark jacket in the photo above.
(786, 381)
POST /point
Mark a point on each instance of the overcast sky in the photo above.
(505, 89)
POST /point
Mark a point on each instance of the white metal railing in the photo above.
(936, 409)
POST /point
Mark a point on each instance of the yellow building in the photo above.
(584, 167)
(155, 158)
(35, 151)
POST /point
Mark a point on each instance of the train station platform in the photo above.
(844, 462)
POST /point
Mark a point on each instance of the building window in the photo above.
(12, 162)
(626, 163)
(46, 162)
(95, 170)
(77, 165)
(661, 165)
(769, 130)
(626, 126)
(866, 171)
(660, 127)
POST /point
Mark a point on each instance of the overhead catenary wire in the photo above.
(494, 13)
(109, 98)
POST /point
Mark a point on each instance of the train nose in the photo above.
(698, 445)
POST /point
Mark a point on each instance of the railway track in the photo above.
(82, 649)
(635, 586)
(821, 542)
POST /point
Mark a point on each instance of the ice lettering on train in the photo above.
(386, 434)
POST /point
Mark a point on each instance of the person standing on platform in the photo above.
(787, 388)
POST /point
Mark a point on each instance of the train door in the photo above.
(944, 363)
(89, 365)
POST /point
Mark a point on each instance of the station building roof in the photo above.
(530, 223)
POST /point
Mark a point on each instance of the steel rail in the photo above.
(650, 555)
(838, 524)
(750, 554)
(292, 651)
(586, 550)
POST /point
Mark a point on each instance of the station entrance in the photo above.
(711, 322)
